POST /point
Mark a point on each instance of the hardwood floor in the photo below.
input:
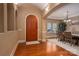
(42, 49)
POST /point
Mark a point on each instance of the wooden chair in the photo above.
(68, 37)
(60, 37)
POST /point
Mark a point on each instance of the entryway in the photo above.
(31, 28)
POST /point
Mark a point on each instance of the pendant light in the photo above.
(67, 19)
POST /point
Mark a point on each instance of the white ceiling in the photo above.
(61, 13)
(41, 6)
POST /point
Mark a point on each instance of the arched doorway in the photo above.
(31, 28)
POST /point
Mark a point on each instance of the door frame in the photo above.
(37, 24)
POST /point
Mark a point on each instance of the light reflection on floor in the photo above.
(42, 49)
(51, 47)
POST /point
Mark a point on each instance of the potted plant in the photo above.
(62, 27)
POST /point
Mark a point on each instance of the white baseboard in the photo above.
(14, 49)
(22, 41)
(39, 39)
(19, 41)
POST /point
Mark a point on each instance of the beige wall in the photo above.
(8, 39)
(44, 29)
(22, 12)
(7, 42)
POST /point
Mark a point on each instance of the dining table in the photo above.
(76, 38)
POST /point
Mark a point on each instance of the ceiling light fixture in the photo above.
(67, 19)
(47, 8)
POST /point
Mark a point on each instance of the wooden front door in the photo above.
(31, 28)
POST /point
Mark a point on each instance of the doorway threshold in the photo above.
(32, 42)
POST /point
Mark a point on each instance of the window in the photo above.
(49, 27)
(52, 27)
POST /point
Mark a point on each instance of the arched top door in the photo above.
(31, 28)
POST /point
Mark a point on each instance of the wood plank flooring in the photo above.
(42, 49)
